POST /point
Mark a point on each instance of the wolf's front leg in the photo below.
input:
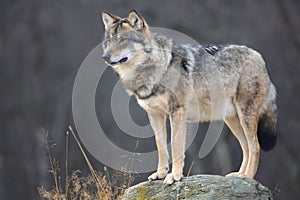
(178, 134)
(158, 124)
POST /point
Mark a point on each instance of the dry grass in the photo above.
(97, 185)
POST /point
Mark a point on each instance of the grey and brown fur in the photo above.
(193, 84)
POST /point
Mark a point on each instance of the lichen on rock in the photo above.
(199, 187)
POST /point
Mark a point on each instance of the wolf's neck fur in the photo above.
(147, 76)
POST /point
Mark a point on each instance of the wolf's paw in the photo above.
(170, 178)
(158, 175)
(238, 174)
(235, 174)
(244, 175)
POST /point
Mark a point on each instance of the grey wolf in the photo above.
(188, 83)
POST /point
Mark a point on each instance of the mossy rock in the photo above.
(200, 187)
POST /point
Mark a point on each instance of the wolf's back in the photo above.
(267, 125)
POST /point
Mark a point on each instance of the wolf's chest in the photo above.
(155, 104)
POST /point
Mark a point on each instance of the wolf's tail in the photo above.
(267, 124)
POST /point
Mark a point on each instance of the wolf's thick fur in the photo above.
(193, 84)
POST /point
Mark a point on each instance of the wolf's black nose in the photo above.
(106, 57)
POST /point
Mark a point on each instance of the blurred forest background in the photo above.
(43, 42)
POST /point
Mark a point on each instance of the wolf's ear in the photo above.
(108, 19)
(136, 20)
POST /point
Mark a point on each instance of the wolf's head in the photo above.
(126, 40)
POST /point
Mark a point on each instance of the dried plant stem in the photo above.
(53, 164)
(67, 160)
(98, 183)
(188, 174)
(131, 165)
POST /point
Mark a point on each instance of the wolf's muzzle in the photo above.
(107, 58)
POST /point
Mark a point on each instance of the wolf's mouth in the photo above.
(120, 61)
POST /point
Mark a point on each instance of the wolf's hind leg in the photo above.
(234, 124)
(249, 120)
(158, 124)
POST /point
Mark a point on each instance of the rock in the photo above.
(200, 187)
